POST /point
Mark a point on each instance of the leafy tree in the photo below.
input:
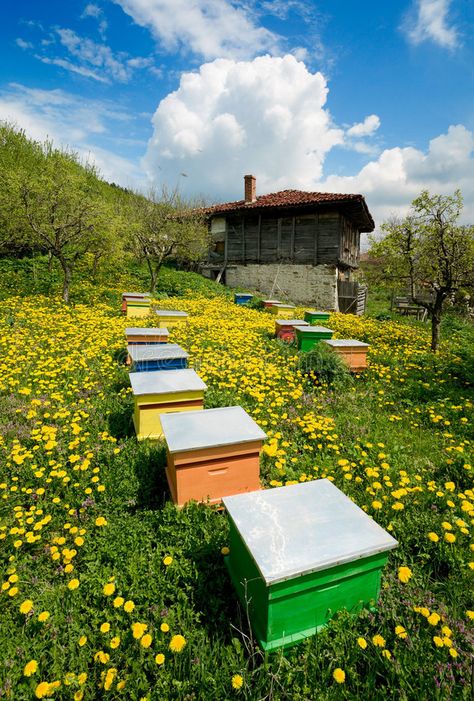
(430, 252)
(164, 226)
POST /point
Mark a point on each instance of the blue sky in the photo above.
(333, 95)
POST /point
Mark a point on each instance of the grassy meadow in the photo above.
(108, 591)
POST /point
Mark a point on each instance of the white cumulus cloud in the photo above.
(398, 175)
(266, 116)
(70, 122)
(366, 128)
(428, 21)
(209, 28)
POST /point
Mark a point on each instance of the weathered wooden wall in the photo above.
(324, 237)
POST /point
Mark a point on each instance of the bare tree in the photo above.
(162, 226)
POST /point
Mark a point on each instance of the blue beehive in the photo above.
(162, 356)
(242, 298)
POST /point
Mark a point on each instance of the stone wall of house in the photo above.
(307, 284)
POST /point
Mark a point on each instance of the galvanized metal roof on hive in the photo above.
(165, 382)
(170, 312)
(137, 295)
(210, 427)
(354, 204)
(291, 322)
(292, 531)
(313, 329)
(145, 331)
(160, 351)
(345, 343)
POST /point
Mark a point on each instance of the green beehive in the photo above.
(300, 553)
(314, 317)
(308, 336)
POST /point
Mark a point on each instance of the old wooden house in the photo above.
(298, 245)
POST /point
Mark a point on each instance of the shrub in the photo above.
(326, 366)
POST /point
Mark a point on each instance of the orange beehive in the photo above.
(354, 352)
(270, 302)
(138, 336)
(211, 454)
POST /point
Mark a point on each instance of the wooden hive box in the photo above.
(142, 336)
(300, 553)
(308, 336)
(285, 328)
(270, 302)
(157, 393)
(211, 454)
(132, 295)
(138, 307)
(315, 317)
(242, 298)
(161, 356)
(168, 318)
(283, 311)
(354, 352)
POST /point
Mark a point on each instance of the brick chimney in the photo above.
(250, 189)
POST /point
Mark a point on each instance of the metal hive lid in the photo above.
(209, 428)
(313, 329)
(291, 322)
(137, 295)
(292, 531)
(165, 382)
(145, 331)
(160, 351)
(317, 311)
(345, 343)
(170, 312)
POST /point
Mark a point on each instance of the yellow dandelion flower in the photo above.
(438, 641)
(225, 550)
(434, 619)
(146, 640)
(105, 627)
(339, 675)
(115, 642)
(434, 537)
(43, 616)
(164, 627)
(118, 601)
(177, 643)
(30, 668)
(160, 658)
(237, 681)
(362, 643)
(26, 606)
(82, 640)
(108, 589)
(167, 560)
(42, 690)
(404, 574)
(100, 521)
(378, 641)
(128, 606)
(73, 584)
(138, 630)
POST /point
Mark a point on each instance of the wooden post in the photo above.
(279, 238)
(259, 237)
(292, 244)
(316, 233)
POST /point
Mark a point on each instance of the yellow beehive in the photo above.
(170, 317)
(282, 311)
(157, 393)
(138, 307)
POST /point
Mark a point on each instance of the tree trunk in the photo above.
(436, 320)
(67, 278)
(50, 262)
(95, 267)
(153, 275)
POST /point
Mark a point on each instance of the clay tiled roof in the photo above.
(355, 204)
